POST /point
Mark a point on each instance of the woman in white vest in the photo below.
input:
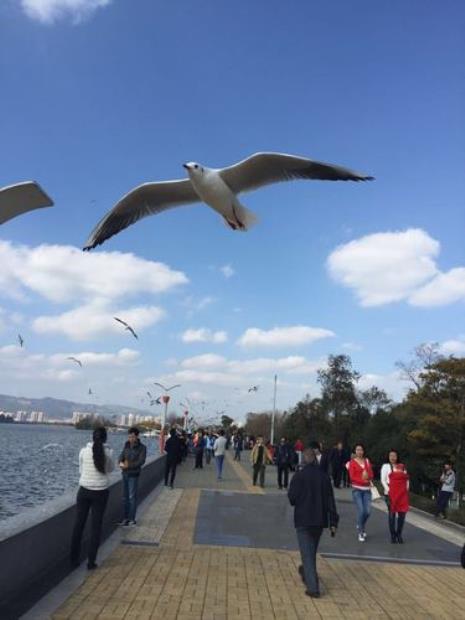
(95, 463)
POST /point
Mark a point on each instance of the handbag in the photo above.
(374, 493)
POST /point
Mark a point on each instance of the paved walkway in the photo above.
(160, 573)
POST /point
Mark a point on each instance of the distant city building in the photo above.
(80, 415)
(21, 416)
(122, 420)
(131, 419)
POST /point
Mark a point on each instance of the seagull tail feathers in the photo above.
(246, 217)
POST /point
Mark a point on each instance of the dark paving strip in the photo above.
(140, 543)
(266, 521)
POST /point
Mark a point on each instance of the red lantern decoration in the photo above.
(166, 399)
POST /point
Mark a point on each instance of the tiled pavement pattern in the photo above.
(179, 580)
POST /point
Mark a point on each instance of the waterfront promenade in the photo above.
(227, 550)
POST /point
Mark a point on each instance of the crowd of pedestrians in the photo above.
(314, 472)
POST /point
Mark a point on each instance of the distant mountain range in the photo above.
(63, 409)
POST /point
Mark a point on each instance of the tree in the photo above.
(259, 424)
(338, 395)
(308, 421)
(424, 356)
(226, 421)
(439, 405)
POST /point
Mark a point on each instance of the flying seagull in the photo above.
(90, 392)
(254, 388)
(128, 327)
(20, 340)
(20, 198)
(167, 389)
(75, 359)
(218, 188)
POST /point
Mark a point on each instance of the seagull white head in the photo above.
(194, 169)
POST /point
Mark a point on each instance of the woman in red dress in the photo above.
(398, 500)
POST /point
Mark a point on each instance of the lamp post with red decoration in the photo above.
(166, 400)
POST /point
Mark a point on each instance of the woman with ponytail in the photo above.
(95, 463)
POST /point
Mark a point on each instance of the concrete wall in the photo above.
(35, 560)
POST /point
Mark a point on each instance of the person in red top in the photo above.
(398, 500)
(299, 448)
(361, 476)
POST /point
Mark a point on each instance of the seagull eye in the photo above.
(195, 166)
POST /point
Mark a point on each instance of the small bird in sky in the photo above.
(75, 359)
(167, 389)
(127, 327)
(254, 388)
(218, 188)
(21, 198)
(20, 340)
(90, 392)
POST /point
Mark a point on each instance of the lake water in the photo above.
(41, 462)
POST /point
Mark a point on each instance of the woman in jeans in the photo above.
(395, 481)
(361, 476)
(95, 462)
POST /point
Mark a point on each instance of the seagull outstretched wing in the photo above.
(144, 200)
(265, 168)
(20, 198)
(75, 359)
(127, 326)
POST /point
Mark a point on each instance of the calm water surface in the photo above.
(39, 463)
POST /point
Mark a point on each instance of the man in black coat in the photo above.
(311, 494)
(284, 459)
(174, 451)
(338, 459)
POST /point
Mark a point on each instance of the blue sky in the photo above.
(103, 96)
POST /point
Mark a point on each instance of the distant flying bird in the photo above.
(20, 340)
(90, 392)
(254, 388)
(167, 389)
(75, 359)
(218, 188)
(21, 198)
(127, 326)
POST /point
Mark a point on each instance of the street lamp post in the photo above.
(274, 409)
(166, 400)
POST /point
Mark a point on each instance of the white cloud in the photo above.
(453, 347)
(96, 319)
(227, 271)
(209, 360)
(123, 357)
(445, 288)
(392, 383)
(385, 267)
(64, 274)
(204, 335)
(283, 336)
(49, 11)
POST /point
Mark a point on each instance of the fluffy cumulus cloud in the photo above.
(18, 363)
(49, 11)
(204, 335)
(214, 369)
(283, 336)
(453, 346)
(97, 319)
(394, 266)
(64, 274)
(385, 267)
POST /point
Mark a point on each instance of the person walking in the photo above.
(284, 458)
(312, 496)
(95, 463)
(219, 448)
(261, 457)
(322, 457)
(299, 448)
(395, 481)
(361, 476)
(131, 461)
(174, 452)
(447, 481)
(238, 447)
(209, 443)
(338, 459)
(199, 449)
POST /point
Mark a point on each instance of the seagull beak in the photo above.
(186, 166)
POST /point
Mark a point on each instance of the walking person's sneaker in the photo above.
(124, 522)
(361, 537)
(312, 594)
(364, 534)
(400, 540)
(132, 522)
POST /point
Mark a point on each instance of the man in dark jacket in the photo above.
(322, 456)
(174, 450)
(338, 459)
(312, 496)
(284, 460)
(131, 460)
